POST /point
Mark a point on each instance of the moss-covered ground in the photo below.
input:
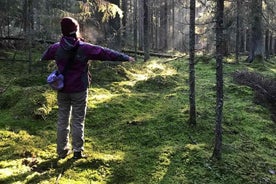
(137, 128)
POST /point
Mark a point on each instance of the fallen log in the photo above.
(151, 53)
(23, 39)
(175, 58)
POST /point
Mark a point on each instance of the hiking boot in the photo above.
(79, 155)
(64, 154)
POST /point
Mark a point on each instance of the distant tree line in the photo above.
(150, 25)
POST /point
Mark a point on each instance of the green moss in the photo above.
(30, 81)
(137, 127)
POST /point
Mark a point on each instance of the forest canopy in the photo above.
(105, 21)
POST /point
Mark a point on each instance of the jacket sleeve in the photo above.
(50, 53)
(95, 52)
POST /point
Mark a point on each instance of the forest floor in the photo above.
(137, 128)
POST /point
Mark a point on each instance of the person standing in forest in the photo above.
(72, 98)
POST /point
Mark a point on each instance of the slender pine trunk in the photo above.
(192, 120)
(219, 79)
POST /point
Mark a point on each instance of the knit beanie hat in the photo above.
(69, 26)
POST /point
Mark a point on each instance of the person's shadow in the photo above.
(58, 165)
(46, 165)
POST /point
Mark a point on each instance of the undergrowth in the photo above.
(137, 127)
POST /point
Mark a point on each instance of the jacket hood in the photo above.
(68, 43)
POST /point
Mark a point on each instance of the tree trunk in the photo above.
(267, 44)
(247, 40)
(166, 26)
(274, 50)
(271, 45)
(114, 33)
(8, 21)
(25, 16)
(192, 120)
(141, 24)
(242, 46)
(237, 49)
(163, 40)
(146, 31)
(256, 46)
(135, 28)
(219, 79)
(124, 23)
(173, 24)
(156, 27)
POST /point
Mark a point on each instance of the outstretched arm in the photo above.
(95, 52)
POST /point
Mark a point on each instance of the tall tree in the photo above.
(27, 16)
(141, 24)
(163, 39)
(269, 25)
(267, 33)
(271, 44)
(219, 78)
(146, 30)
(135, 28)
(124, 22)
(192, 120)
(165, 28)
(256, 45)
(114, 26)
(156, 25)
(173, 24)
(237, 49)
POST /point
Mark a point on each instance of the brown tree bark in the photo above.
(192, 120)
(256, 44)
(238, 30)
(135, 32)
(146, 31)
(114, 32)
(267, 44)
(219, 79)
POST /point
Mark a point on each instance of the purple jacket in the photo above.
(76, 78)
